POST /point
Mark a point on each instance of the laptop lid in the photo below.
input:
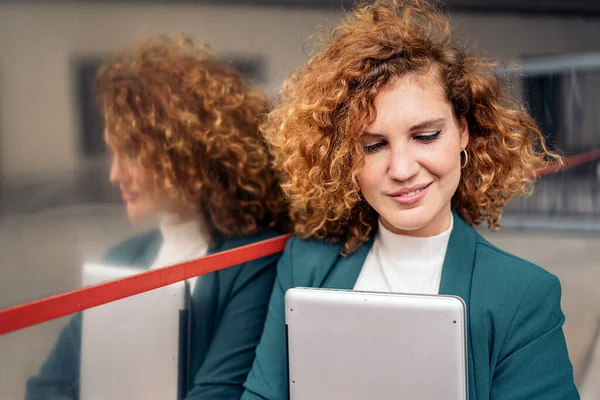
(134, 348)
(362, 345)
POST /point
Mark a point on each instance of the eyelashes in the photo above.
(371, 148)
(428, 138)
(425, 139)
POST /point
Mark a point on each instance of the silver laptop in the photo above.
(135, 348)
(363, 345)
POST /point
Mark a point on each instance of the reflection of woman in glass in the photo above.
(394, 142)
(182, 129)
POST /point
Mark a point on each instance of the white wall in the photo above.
(38, 124)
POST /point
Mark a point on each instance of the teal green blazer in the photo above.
(516, 346)
(228, 309)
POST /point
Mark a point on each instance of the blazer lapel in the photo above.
(457, 274)
(345, 271)
(457, 271)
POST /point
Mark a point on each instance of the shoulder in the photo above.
(493, 260)
(250, 270)
(126, 252)
(233, 242)
(493, 268)
(506, 283)
(305, 262)
(312, 251)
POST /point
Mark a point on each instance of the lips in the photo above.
(410, 191)
(410, 195)
(128, 196)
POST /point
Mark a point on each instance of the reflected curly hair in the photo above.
(193, 122)
(325, 107)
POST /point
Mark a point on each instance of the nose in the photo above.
(404, 164)
(116, 170)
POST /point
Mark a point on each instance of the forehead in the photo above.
(109, 139)
(116, 142)
(411, 98)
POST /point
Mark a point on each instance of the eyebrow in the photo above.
(427, 124)
(431, 123)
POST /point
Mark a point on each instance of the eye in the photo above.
(371, 148)
(428, 138)
(131, 154)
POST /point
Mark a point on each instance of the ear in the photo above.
(464, 133)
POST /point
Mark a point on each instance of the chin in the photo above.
(136, 214)
(419, 221)
(410, 222)
(409, 226)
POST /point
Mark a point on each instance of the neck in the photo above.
(412, 247)
(172, 219)
(174, 228)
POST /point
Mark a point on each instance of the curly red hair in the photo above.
(325, 107)
(193, 122)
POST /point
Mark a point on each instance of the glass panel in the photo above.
(59, 210)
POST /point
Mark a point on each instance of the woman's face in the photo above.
(136, 184)
(412, 156)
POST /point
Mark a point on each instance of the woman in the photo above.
(394, 142)
(182, 128)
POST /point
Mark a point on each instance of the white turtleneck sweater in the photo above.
(182, 241)
(404, 264)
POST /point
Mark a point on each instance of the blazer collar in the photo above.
(344, 272)
(456, 273)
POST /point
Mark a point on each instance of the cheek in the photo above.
(442, 167)
(371, 175)
(143, 179)
(443, 161)
(145, 185)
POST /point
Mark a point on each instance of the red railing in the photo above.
(573, 161)
(36, 312)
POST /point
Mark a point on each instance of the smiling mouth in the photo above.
(128, 196)
(412, 193)
(411, 197)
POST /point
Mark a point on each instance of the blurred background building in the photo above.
(57, 208)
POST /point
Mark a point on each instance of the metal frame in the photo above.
(560, 63)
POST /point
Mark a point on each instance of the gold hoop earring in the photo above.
(464, 163)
